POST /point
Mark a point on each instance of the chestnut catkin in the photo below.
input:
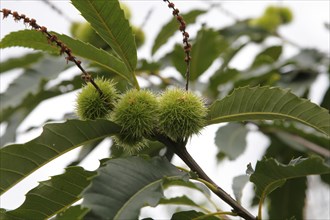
(182, 114)
(137, 113)
(91, 105)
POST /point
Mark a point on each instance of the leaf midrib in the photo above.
(225, 118)
(110, 33)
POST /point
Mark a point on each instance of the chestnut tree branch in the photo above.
(179, 148)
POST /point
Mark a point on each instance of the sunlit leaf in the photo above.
(52, 196)
(267, 103)
(231, 139)
(108, 20)
(29, 39)
(124, 185)
(172, 26)
(55, 140)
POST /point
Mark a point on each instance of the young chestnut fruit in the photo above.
(91, 105)
(137, 113)
(272, 18)
(182, 114)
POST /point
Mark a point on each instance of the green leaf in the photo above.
(31, 81)
(268, 103)
(180, 200)
(19, 62)
(172, 26)
(99, 56)
(297, 138)
(79, 48)
(125, 185)
(54, 195)
(74, 212)
(30, 39)
(207, 47)
(108, 20)
(270, 174)
(241, 28)
(55, 140)
(288, 201)
(192, 214)
(267, 56)
(14, 116)
(231, 139)
(177, 59)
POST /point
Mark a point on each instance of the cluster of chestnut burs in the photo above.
(176, 113)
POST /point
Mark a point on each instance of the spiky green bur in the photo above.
(182, 114)
(91, 105)
(137, 113)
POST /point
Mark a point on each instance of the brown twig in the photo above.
(179, 149)
(187, 45)
(52, 39)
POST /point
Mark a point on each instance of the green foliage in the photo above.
(85, 33)
(23, 61)
(262, 103)
(52, 196)
(288, 201)
(28, 39)
(204, 53)
(81, 49)
(269, 96)
(142, 180)
(269, 174)
(91, 105)
(272, 18)
(108, 20)
(171, 28)
(181, 113)
(30, 82)
(55, 140)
